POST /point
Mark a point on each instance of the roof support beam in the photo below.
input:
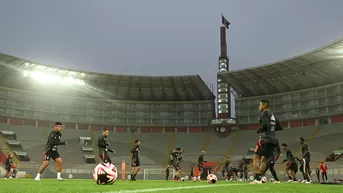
(162, 90)
(185, 89)
(176, 94)
(128, 94)
(118, 86)
(196, 91)
(151, 88)
(270, 83)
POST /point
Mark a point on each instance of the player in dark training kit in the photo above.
(9, 167)
(200, 164)
(226, 168)
(292, 165)
(243, 170)
(267, 141)
(305, 161)
(271, 163)
(174, 160)
(103, 147)
(136, 164)
(50, 151)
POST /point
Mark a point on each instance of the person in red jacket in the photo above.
(323, 169)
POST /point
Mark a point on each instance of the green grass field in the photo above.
(82, 186)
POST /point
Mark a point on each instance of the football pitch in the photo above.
(83, 186)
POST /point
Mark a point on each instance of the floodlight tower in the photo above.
(223, 89)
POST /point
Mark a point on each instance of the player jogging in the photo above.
(9, 166)
(271, 163)
(50, 151)
(292, 165)
(305, 161)
(136, 164)
(267, 141)
(175, 158)
(103, 147)
(200, 164)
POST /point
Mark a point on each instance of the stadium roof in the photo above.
(318, 67)
(120, 87)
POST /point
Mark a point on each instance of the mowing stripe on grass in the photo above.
(175, 188)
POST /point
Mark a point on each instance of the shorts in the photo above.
(136, 163)
(8, 168)
(293, 167)
(51, 155)
(105, 158)
(305, 165)
(200, 166)
(177, 167)
(265, 149)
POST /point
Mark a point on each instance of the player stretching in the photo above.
(200, 164)
(305, 161)
(50, 151)
(292, 166)
(103, 147)
(8, 166)
(267, 141)
(135, 167)
(175, 158)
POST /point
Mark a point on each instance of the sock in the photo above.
(289, 177)
(294, 179)
(58, 174)
(258, 177)
(38, 175)
(175, 176)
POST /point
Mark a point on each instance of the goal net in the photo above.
(157, 174)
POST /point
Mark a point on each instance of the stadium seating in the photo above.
(155, 147)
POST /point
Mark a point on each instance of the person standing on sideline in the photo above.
(323, 169)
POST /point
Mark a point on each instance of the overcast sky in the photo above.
(164, 37)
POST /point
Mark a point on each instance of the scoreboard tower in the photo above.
(224, 122)
(223, 89)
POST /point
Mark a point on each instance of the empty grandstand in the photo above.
(306, 93)
(160, 111)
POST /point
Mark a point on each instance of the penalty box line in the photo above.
(174, 188)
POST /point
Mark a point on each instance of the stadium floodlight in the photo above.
(83, 74)
(26, 73)
(26, 64)
(45, 78)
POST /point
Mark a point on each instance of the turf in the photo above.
(83, 186)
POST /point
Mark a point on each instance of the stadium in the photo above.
(167, 112)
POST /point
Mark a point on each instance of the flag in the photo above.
(225, 22)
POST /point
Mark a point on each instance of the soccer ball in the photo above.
(182, 179)
(211, 179)
(272, 180)
(105, 173)
(264, 179)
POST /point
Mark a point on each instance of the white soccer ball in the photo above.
(105, 173)
(211, 179)
(182, 179)
(264, 179)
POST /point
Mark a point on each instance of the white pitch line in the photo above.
(175, 188)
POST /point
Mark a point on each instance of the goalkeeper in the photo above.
(103, 147)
